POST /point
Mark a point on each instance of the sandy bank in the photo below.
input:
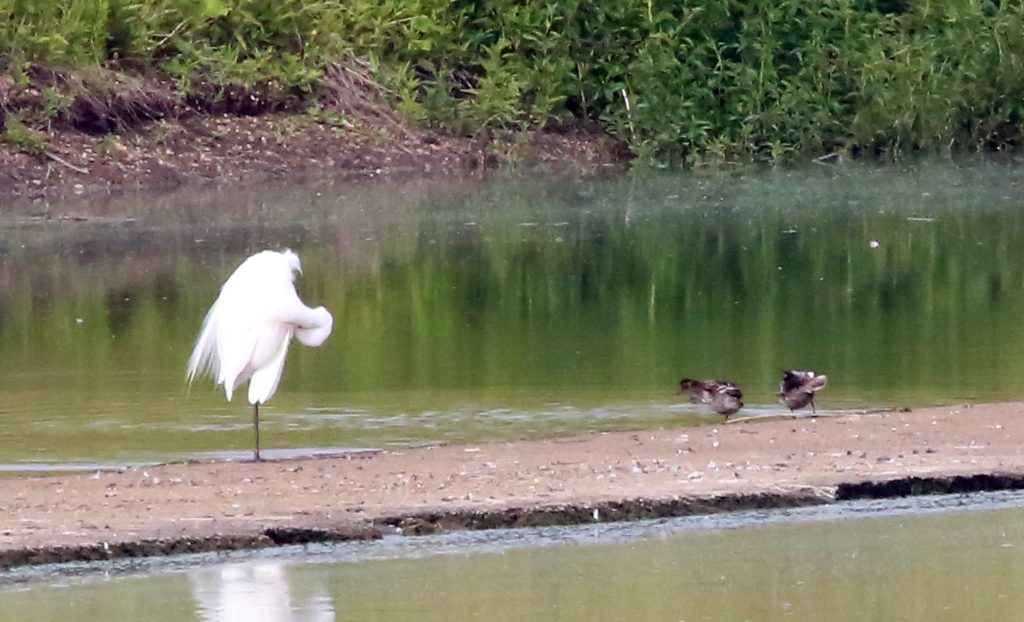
(602, 476)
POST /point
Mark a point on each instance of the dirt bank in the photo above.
(212, 149)
(84, 131)
(603, 476)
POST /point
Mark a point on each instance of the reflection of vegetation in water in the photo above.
(514, 295)
(624, 295)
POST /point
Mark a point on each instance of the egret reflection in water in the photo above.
(257, 592)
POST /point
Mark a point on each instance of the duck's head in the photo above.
(689, 384)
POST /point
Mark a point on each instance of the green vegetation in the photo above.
(22, 138)
(695, 82)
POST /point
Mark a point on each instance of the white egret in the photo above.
(246, 333)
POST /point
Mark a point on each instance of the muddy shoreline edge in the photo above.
(434, 522)
(197, 507)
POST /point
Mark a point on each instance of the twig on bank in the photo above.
(171, 34)
(63, 162)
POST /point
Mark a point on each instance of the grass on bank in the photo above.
(692, 82)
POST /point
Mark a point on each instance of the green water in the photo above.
(950, 566)
(474, 310)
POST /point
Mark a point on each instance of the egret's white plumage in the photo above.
(246, 333)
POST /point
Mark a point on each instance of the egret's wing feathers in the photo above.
(266, 376)
(236, 342)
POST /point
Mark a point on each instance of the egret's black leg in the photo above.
(256, 427)
(814, 410)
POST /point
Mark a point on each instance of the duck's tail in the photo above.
(817, 383)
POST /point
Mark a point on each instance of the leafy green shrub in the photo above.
(696, 81)
(17, 135)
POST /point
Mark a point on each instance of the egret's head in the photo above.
(293, 261)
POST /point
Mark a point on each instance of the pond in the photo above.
(469, 310)
(928, 559)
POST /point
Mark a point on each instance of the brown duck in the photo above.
(797, 388)
(724, 397)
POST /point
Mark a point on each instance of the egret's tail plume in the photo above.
(204, 355)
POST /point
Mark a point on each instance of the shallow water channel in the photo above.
(928, 559)
(470, 310)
